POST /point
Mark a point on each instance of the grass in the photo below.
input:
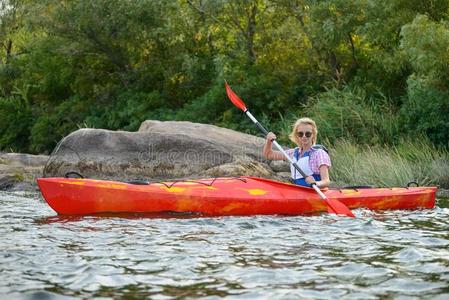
(388, 166)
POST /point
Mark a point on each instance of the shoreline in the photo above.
(19, 172)
(443, 194)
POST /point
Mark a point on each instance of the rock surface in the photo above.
(160, 151)
(19, 171)
(229, 141)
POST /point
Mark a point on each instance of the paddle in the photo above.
(333, 206)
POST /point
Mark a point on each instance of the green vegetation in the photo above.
(19, 177)
(408, 161)
(370, 72)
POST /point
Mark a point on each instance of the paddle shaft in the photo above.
(265, 132)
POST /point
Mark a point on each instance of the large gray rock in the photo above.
(19, 171)
(23, 160)
(159, 151)
(229, 141)
(7, 182)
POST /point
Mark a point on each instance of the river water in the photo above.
(378, 255)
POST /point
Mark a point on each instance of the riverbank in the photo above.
(405, 163)
(185, 150)
(443, 194)
(18, 171)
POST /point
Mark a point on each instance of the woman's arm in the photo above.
(268, 152)
(325, 181)
(324, 173)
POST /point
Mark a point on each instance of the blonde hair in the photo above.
(306, 121)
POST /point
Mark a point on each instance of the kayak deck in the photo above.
(241, 196)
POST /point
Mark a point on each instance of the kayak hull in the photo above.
(241, 196)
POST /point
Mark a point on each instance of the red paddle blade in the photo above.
(336, 207)
(234, 98)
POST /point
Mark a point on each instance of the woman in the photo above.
(313, 160)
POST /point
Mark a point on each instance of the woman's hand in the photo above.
(271, 136)
(310, 180)
(267, 152)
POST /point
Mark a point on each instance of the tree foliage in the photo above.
(370, 71)
(426, 108)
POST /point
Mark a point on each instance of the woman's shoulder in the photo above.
(319, 147)
(320, 153)
(291, 151)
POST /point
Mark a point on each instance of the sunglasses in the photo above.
(307, 134)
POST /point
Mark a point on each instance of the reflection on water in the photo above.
(378, 255)
(131, 216)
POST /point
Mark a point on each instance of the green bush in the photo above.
(52, 124)
(426, 107)
(15, 123)
(426, 111)
(389, 166)
(208, 108)
(351, 114)
(129, 109)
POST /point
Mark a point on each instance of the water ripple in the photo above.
(393, 254)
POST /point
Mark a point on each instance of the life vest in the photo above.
(304, 165)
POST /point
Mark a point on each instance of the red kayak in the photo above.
(243, 196)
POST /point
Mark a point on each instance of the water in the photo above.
(396, 254)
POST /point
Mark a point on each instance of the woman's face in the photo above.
(304, 132)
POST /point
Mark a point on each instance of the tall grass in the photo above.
(352, 113)
(398, 165)
(367, 144)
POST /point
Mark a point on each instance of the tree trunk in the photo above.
(250, 33)
(8, 51)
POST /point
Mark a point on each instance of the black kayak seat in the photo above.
(138, 182)
(357, 187)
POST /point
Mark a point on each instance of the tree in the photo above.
(426, 107)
